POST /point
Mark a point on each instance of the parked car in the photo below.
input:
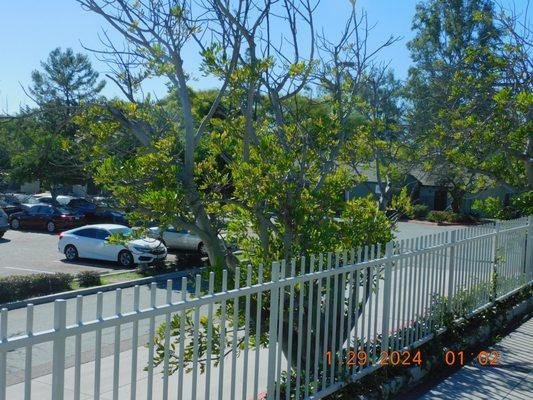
(78, 204)
(4, 222)
(16, 198)
(91, 241)
(9, 207)
(106, 216)
(179, 240)
(81, 205)
(45, 216)
(40, 199)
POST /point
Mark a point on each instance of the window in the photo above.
(45, 210)
(101, 234)
(63, 210)
(93, 233)
(121, 231)
(33, 210)
(88, 233)
(79, 203)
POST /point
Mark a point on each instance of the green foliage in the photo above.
(493, 207)
(89, 278)
(437, 216)
(524, 203)
(472, 130)
(42, 142)
(21, 287)
(67, 80)
(364, 223)
(402, 203)
(420, 211)
(449, 216)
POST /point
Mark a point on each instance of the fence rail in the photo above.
(299, 329)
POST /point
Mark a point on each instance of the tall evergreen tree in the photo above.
(446, 33)
(52, 156)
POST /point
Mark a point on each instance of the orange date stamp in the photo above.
(483, 358)
(394, 358)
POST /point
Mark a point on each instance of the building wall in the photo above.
(362, 190)
(426, 194)
(30, 187)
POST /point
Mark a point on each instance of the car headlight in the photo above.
(140, 249)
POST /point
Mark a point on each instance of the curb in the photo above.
(93, 290)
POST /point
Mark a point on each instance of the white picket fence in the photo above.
(300, 329)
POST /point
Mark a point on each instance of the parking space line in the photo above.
(28, 269)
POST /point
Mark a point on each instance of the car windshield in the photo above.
(120, 231)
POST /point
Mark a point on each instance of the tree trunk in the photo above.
(457, 199)
(336, 318)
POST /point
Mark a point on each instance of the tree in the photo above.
(446, 30)
(383, 143)
(471, 91)
(66, 81)
(45, 147)
(261, 151)
(492, 119)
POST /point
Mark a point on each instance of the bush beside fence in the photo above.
(20, 287)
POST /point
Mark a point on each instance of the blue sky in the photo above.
(30, 29)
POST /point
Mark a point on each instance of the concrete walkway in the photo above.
(511, 378)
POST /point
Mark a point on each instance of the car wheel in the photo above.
(125, 258)
(71, 253)
(202, 249)
(50, 227)
(15, 224)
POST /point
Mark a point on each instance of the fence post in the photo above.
(451, 269)
(494, 275)
(528, 267)
(273, 334)
(386, 296)
(58, 361)
(3, 354)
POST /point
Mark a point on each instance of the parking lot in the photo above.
(28, 252)
(25, 252)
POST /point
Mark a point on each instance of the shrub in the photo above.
(494, 208)
(420, 211)
(449, 216)
(524, 203)
(21, 287)
(89, 278)
(401, 203)
(437, 216)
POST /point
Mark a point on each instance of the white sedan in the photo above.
(179, 240)
(91, 241)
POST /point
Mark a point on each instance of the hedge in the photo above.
(22, 287)
(449, 216)
(89, 278)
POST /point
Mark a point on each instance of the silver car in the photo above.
(179, 239)
(4, 224)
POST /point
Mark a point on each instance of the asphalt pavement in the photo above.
(29, 252)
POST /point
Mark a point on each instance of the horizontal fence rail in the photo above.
(302, 328)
